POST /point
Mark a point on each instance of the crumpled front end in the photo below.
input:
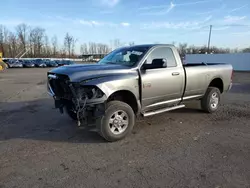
(86, 102)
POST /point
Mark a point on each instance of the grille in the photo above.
(60, 86)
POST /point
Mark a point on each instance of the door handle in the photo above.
(175, 73)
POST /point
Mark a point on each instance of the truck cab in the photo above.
(162, 77)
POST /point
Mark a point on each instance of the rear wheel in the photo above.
(117, 122)
(211, 100)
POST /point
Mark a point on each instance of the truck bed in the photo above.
(200, 64)
(199, 76)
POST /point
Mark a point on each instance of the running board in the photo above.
(151, 113)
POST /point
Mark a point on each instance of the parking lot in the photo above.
(39, 147)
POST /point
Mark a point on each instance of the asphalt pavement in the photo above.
(39, 147)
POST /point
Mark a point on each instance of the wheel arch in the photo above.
(218, 83)
(127, 97)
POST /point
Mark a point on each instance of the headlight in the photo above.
(91, 92)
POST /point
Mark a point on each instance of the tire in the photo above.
(122, 116)
(71, 113)
(211, 100)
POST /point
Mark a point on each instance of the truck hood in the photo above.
(81, 72)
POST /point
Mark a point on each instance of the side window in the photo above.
(162, 53)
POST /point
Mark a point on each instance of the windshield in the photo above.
(128, 56)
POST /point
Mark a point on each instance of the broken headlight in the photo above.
(89, 92)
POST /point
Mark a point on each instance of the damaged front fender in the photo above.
(90, 95)
(113, 83)
(87, 98)
(88, 102)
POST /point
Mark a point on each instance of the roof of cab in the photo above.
(152, 45)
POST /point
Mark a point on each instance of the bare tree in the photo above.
(73, 48)
(22, 34)
(246, 50)
(62, 53)
(69, 44)
(235, 50)
(99, 48)
(92, 48)
(54, 45)
(84, 48)
(131, 43)
(4, 43)
(47, 49)
(117, 43)
(104, 48)
(2, 49)
(13, 45)
(182, 49)
(37, 40)
(95, 48)
(6, 33)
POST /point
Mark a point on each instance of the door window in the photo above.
(162, 53)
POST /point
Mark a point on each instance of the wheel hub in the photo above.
(118, 122)
(214, 101)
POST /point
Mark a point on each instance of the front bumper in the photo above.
(77, 94)
(77, 99)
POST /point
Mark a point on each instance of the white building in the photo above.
(239, 61)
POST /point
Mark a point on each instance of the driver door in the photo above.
(161, 86)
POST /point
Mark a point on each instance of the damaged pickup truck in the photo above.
(141, 80)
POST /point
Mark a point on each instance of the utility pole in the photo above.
(209, 39)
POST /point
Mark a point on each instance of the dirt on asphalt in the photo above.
(39, 147)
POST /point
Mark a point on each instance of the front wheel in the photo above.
(211, 100)
(117, 122)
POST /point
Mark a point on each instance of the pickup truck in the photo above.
(140, 80)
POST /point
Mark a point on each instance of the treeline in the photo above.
(27, 41)
(185, 49)
(33, 42)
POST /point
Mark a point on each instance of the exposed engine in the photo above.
(86, 102)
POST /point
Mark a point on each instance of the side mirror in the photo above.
(145, 66)
(156, 64)
(159, 63)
